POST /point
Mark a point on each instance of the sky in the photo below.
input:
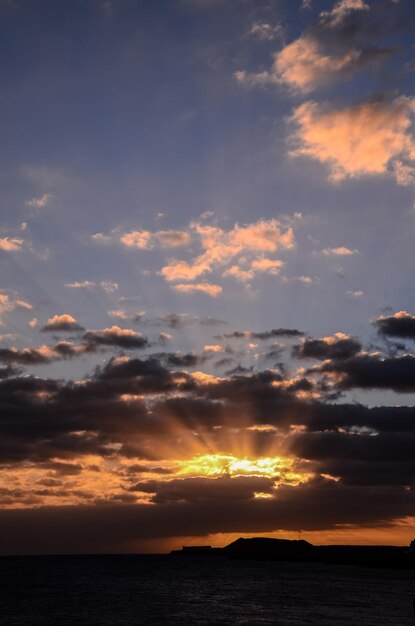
(207, 216)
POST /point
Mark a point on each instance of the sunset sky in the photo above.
(206, 273)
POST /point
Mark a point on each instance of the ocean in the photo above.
(129, 590)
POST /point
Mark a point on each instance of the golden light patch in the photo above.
(213, 465)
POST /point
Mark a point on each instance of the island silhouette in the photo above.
(270, 549)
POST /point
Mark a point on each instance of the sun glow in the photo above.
(214, 465)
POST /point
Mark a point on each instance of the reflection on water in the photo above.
(129, 590)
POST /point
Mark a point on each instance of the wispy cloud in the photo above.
(339, 251)
(80, 284)
(39, 202)
(211, 290)
(10, 303)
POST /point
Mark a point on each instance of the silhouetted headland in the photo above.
(269, 549)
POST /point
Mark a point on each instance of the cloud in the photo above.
(201, 490)
(211, 290)
(372, 371)
(262, 265)
(404, 174)
(266, 32)
(328, 51)
(339, 251)
(213, 348)
(118, 528)
(303, 66)
(63, 322)
(109, 286)
(8, 304)
(241, 252)
(11, 244)
(81, 284)
(366, 139)
(40, 202)
(338, 346)
(115, 336)
(341, 10)
(172, 238)
(154, 414)
(144, 239)
(401, 324)
(137, 239)
(264, 335)
(183, 320)
(38, 356)
(220, 247)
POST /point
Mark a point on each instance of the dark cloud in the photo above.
(373, 372)
(183, 320)
(145, 469)
(115, 337)
(341, 347)
(267, 334)
(8, 371)
(118, 528)
(202, 489)
(62, 323)
(400, 325)
(177, 359)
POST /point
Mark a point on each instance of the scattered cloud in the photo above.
(179, 321)
(329, 51)
(401, 324)
(145, 240)
(339, 251)
(341, 10)
(80, 284)
(121, 314)
(115, 336)
(207, 288)
(109, 286)
(63, 322)
(220, 247)
(265, 31)
(372, 138)
(40, 202)
(262, 335)
(338, 346)
(303, 66)
(11, 244)
(9, 304)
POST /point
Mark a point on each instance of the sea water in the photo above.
(129, 590)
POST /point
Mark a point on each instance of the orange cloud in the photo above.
(62, 322)
(303, 65)
(343, 8)
(220, 247)
(9, 244)
(145, 239)
(7, 305)
(210, 290)
(137, 239)
(340, 251)
(367, 139)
